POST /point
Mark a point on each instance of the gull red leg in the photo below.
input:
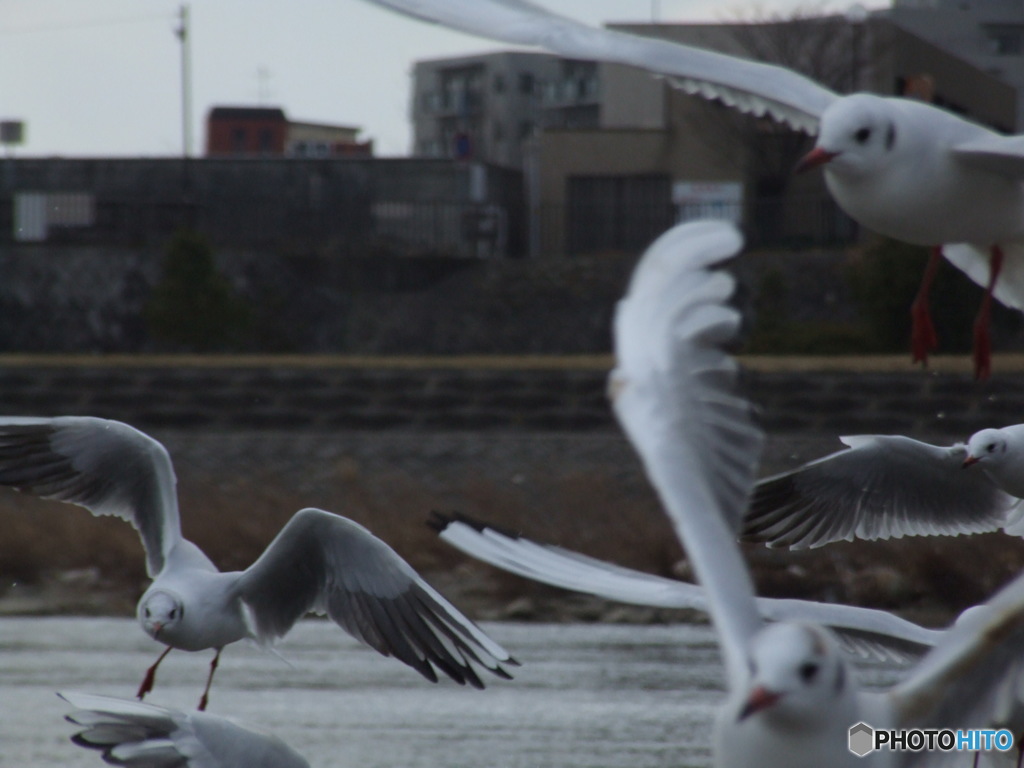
(983, 321)
(205, 699)
(922, 331)
(150, 678)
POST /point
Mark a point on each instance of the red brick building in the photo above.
(266, 131)
(246, 131)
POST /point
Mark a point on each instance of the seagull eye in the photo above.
(808, 671)
(862, 135)
(991, 447)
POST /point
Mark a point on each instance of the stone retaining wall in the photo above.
(450, 396)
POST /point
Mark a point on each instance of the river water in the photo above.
(587, 695)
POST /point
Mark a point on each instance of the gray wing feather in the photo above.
(105, 466)
(747, 86)
(881, 487)
(973, 678)
(321, 561)
(862, 631)
(139, 735)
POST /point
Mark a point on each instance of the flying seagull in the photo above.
(791, 696)
(141, 735)
(318, 562)
(903, 168)
(888, 486)
(864, 632)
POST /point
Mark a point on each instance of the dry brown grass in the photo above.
(550, 488)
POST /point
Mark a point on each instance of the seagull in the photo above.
(318, 562)
(900, 167)
(791, 695)
(139, 734)
(862, 632)
(889, 486)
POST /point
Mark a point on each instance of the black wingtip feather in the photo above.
(439, 521)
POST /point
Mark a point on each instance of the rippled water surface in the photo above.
(587, 695)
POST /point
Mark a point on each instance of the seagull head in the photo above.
(159, 612)
(796, 674)
(988, 445)
(857, 136)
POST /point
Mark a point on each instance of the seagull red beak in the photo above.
(969, 461)
(813, 159)
(760, 698)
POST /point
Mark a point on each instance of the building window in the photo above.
(238, 139)
(526, 83)
(1006, 43)
(499, 83)
(266, 140)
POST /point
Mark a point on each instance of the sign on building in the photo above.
(708, 200)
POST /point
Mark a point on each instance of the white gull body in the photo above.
(143, 735)
(900, 167)
(318, 562)
(791, 694)
(889, 486)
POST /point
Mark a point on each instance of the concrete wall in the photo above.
(344, 207)
(496, 394)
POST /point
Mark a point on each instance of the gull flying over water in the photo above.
(888, 486)
(318, 562)
(791, 696)
(903, 168)
(142, 735)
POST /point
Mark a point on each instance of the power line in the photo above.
(84, 24)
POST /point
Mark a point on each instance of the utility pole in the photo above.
(186, 79)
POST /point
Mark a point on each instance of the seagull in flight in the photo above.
(889, 486)
(900, 167)
(139, 734)
(318, 562)
(862, 632)
(791, 695)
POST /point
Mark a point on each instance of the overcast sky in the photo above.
(103, 77)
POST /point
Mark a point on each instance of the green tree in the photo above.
(193, 307)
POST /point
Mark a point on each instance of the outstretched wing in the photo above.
(883, 486)
(973, 678)
(323, 562)
(862, 631)
(105, 466)
(674, 393)
(132, 733)
(748, 86)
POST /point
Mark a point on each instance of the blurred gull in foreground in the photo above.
(142, 735)
(901, 167)
(792, 697)
(318, 562)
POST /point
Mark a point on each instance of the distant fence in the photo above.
(404, 207)
(356, 227)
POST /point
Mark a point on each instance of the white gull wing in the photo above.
(1003, 155)
(138, 735)
(974, 261)
(748, 86)
(974, 677)
(673, 391)
(862, 631)
(105, 466)
(881, 487)
(327, 563)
